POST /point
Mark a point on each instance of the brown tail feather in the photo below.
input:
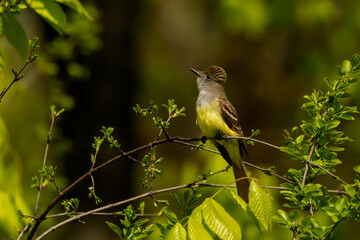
(243, 184)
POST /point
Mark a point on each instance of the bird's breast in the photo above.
(210, 121)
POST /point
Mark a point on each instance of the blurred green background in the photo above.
(274, 52)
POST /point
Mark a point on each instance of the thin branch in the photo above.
(17, 77)
(247, 163)
(182, 142)
(322, 168)
(104, 214)
(152, 149)
(332, 229)
(92, 168)
(56, 186)
(251, 139)
(44, 163)
(266, 187)
(307, 165)
(295, 230)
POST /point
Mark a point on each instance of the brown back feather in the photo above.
(230, 117)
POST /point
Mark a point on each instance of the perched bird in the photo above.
(217, 117)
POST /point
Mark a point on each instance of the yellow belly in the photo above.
(210, 122)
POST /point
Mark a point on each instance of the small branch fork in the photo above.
(44, 164)
(152, 149)
(17, 76)
(33, 44)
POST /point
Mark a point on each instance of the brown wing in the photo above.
(229, 115)
(231, 118)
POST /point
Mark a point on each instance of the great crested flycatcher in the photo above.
(217, 117)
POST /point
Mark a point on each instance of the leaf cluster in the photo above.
(210, 220)
(71, 206)
(153, 109)
(50, 10)
(149, 161)
(316, 145)
(132, 226)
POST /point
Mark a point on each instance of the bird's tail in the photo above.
(243, 184)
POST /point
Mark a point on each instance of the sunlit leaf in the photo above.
(260, 204)
(77, 6)
(197, 213)
(177, 232)
(219, 221)
(197, 231)
(15, 34)
(50, 11)
(115, 228)
(357, 168)
(239, 200)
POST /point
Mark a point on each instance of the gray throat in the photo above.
(208, 91)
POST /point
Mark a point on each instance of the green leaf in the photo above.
(197, 231)
(260, 204)
(336, 149)
(340, 204)
(343, 95)
(140, 222)
(15, 34)
(283, 214)
(197, 213)
(322, 139)
(294, 132)
(346, 116)
(299, 139)
(331, 211)
(170, 215)
(357, 168)
(219, 221)
(77, 6)
(177, 232)
(294, 215)
(115, 228)
(355, 60)
(333, 124)
(239, 200)
(346, 66)
(350, 190)
(176, 198)
(330, 85)
(50, 11)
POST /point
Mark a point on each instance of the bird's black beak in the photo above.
(198, 73)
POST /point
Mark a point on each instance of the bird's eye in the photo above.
(207, 77)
